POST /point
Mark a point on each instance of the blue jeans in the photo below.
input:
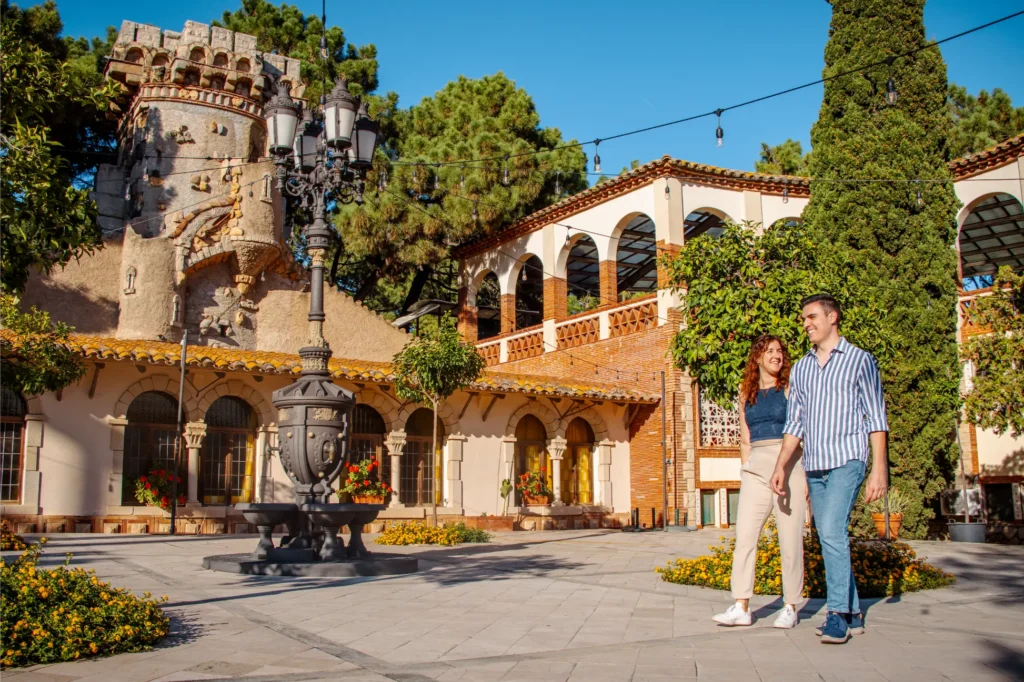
(833, 494)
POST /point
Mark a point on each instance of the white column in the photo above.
(395, 443)
(454, 471)
(550, 336)
(604, 474)
(195, 432)
(556, 448)
(116, 460)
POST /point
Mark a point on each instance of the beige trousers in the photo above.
(756, 502)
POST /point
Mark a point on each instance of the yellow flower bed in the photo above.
(411, 533)
(10, 541)
(60, 614)
(881, 569)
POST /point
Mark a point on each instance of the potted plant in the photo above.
(533, 487)
(362, 485)
(154, 489)
(897, 505)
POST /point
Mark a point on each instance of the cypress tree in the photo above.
(899, 242)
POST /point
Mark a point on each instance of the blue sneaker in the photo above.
(835, 630)
(854, 621)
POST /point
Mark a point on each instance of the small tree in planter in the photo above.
(433, 367)
(362, 484)
(533, 487)
(154, 489)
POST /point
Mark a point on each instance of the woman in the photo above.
(763, 399)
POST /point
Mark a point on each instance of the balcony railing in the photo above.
(968, 327)
(625, 318)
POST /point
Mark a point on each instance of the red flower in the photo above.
(142, 478)
(373, 458)
(366, 483)
(148, 486)
(181, 499)
(164, 501)
(353, 468)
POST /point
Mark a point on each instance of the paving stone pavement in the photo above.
(562, 606)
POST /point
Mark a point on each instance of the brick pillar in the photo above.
(467, 319)
(609, 282)
(555, 294)
(665, 249)
(508, 313)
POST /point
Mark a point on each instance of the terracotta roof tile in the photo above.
(233, 359)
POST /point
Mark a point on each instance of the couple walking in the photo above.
(830, 405)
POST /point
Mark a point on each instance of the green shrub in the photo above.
(881, 569)
(60, 614)
(450, 534)
(10, 541)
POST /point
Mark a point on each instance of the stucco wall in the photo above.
(353, 331)
(83, 294)
(1000, 455)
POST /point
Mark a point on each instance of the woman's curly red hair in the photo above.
(752, 373)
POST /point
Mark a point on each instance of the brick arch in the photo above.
(547, 417)
(589, 415)
(166, 384)
(385, 408)
(446, 413)
(238, 389)
(611, 244)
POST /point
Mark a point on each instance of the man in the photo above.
(836, 408)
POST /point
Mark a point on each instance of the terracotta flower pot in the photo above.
(368, 499)
(539, 499)
(895, 521)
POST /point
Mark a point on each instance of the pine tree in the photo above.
(899, 235)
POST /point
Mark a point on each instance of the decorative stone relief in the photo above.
(129, 280)
(325, 414)
(200, 183)
(181, 135)
(176, 311)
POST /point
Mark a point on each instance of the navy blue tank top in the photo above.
(767, 417)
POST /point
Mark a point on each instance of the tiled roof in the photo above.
(240, 360)
(992, 157)
(666, 166)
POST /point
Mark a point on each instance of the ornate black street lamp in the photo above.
(317, 164)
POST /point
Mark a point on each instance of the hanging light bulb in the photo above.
(382, 181)
(505, 178)
(597, 157)
(415, 173)
(568, 238)
(462, 179)
(668, 193)
(785, 195)
(920, 197)
(719, 133)
(558, 184)
(890, 92)
(437, 178)
(263, 275)
(475, 216)
(522, 274)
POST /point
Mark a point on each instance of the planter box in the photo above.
(967, 532)
(491, 523)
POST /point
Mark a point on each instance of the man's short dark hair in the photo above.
(828, 302)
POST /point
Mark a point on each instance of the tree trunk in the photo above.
(416, 288)
(367, 287)
(433, 473)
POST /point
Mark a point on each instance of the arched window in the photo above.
(12, 442)
(217, 83)
(191, 77)
(531, 451)
(220, 59)
(421, 468)
(367, 439)
(578, 464)
(242, 66)
(583, 277)
(228, 459)
(637, 259)
(530, 293)
(243, 87)
(134, 56)
(991, 236)
(149, 440)
(488, 307)
(198, 54)
(702, 221)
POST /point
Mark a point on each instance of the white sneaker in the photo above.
(734, 616)
(787, 618)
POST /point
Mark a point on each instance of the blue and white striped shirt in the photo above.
(834, 408)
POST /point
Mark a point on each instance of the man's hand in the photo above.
(779, 480)
(876, 486)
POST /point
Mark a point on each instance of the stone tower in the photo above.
(195, 184)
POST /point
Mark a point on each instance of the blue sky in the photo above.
(598, 68)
